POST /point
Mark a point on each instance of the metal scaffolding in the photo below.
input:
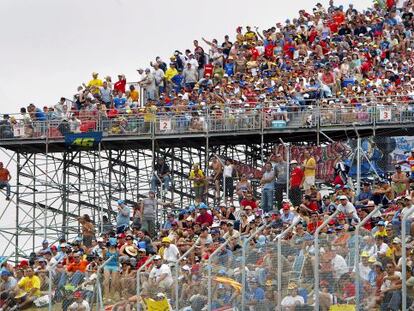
(52, 189)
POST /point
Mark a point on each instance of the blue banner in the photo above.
(83, 140)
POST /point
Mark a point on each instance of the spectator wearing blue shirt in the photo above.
(170, 222)
(119, 101)
(364, 196)
(268, 183)
(255, 294)
(122, 218)
(287, 216)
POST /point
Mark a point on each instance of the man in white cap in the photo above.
(348, 209)
(160, 274)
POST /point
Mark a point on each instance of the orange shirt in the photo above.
(4, 175)
(77, 266)
(410, 161)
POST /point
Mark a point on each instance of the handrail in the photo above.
(51, 280)
(233, 121)
(279, 260)
(243, 271)
(357, 276)
(316, 274)
(100, 304)
(177, 269)
(150, 259)
(409, 212)
(209, 263)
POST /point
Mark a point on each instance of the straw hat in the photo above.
(131, 251)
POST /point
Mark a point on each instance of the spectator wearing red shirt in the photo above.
(120, 84)
(308, 206)
(248, 200)
(296, 179)
(314, 223)
(205, 217)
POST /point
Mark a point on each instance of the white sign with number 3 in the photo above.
(385, 114)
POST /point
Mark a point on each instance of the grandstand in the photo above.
(252, 206)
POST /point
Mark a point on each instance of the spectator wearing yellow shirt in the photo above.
(171, 72)
(95, 83)
(133, 94)
(309, 170)
(28, 289)
(199, 181)
(381, 229)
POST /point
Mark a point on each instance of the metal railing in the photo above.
(260, 117)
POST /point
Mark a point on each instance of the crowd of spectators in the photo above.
(342, 56)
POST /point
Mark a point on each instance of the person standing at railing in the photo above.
(122, 218)
(199, 181)
(5, 178)
(149, 85)
(309, 171)
(148, 213)
(268, 184)
(296, 178)
(106, 94)
(161, 175)
(95, 83)
(119, 86)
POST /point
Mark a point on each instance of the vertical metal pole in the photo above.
(287, 148)
(404, 256)
(243, 267)
(46, 188)
(207, 150)
(209, 280)
(357, 252)
(318, 125)
(177, 267)
(279, 260)
(101, 210)
(64, 194)
(34, 205)
(358, 184)
(317, 261)
(139, 280)
(262, 135)
(16, 247)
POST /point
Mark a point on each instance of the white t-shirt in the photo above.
(339, 266)
(290, 301)
(84, 305)
(171, 254)
(228, 171)
(387, 283)
(347, 209)
(157, 272)
(363, 271)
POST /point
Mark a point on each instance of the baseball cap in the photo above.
(293, 162)
(120, 202)
(157, 257)
(342, 197)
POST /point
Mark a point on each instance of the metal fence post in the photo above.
(139, 280)
(279, 260)
(210, 259)
(177, 268)
(316, 268)
(243, 271)
(404, 256)
(100, 304)
(357, 252)
(50, 282)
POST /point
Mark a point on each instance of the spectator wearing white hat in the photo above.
(160, 275)
(348, 209)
